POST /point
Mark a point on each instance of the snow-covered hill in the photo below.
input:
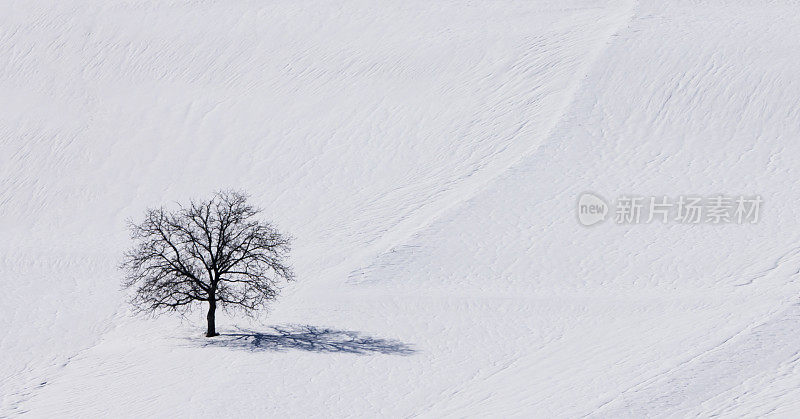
(427, 156)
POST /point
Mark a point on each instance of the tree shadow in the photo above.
(309, 338)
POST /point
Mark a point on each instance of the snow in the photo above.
(427, 157)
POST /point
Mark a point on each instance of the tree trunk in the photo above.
(212, 327)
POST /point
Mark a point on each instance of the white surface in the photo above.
(427, 156)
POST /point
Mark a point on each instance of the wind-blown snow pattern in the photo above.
(427, 158)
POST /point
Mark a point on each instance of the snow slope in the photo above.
(427, 157)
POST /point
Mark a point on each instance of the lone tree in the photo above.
(213, 251)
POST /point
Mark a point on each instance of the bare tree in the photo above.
(212, 251)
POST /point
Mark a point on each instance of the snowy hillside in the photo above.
(427, 157)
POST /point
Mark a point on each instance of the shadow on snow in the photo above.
(308, 338)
